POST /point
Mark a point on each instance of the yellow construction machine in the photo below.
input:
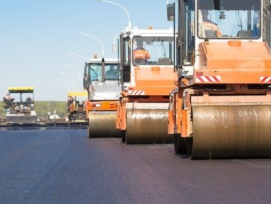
(102, 82)
(19, 104)
(146, 60)
(76, 106)
(221, 105)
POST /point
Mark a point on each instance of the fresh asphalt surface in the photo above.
(65, 166)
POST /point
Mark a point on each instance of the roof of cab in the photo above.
(77, 93)
(21, 89)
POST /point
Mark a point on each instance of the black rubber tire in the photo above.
(123, 136)
(179, 144)
(189, 146)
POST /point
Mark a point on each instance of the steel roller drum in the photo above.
(147, 125)
(242, 131)
(103, 124)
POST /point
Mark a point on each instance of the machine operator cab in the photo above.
(101, 70)
(145, 48)
(101, 78)
(219, 20)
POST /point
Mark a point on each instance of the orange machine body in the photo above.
(221, 105)
(153, 85)
(93, 106)
(234, 67)
(146, 85)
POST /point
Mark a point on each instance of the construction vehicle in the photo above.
(101, 80)
(221, 105)
(146, 85)
(76, 107)
(20, 106)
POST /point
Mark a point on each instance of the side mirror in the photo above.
(86, 82)
(86, 77)
(114, 48)
(170, 12)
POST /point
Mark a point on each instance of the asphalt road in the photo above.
(65, 166)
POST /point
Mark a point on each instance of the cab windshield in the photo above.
(229, 19)
(153, 50)
(111, 72)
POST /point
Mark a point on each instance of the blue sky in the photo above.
(37, 36)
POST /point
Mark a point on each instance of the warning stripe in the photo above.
(208, 78)
(265, 79)
(136, 92)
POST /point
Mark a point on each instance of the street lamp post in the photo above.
(65, 82)
(70, 53)
(129, 20)
(79, 73)
(70, 77)
(92, 36)
(115, 47)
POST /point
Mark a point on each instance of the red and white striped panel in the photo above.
(136, 92)
(265, 79)
(208, 79)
